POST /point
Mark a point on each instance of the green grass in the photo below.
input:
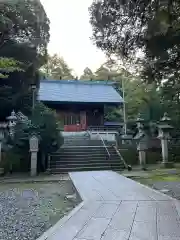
(159, 175)
(170, 178)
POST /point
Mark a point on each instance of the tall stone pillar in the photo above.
(164, 136)
(142, 142)
(34, 147)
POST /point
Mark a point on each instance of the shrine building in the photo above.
(79, 104)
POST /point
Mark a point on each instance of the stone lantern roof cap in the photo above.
(165, 118)
(165, 122)
(12, 116)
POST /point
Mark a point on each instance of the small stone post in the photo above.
(164, 136)
(34, 147)
(142, 140)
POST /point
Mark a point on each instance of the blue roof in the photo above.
(78, 91)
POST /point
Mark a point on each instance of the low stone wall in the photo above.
(106, 136)
(73, 134)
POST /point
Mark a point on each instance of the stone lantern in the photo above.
(164, 135)
(34, 147)
(12, 123)
(142, 142)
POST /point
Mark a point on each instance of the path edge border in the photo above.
(60, 223)
(174, 200)
(63, 220)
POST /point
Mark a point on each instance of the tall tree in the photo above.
(102, 73)
(57, 68)
(128, 28)
(24, 35)
(87, 74)
(140, 97)
(24, 21)
(109, 70)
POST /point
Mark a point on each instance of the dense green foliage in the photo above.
(145, 32)
(44, 124)
(8, 65)
(47, 123)
(124, 27)
(24, 35)
(24, 22)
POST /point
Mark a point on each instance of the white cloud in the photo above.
(71, 32)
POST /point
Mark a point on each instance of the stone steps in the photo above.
(84, 168)
(82, 154)
(84, 158)
(89, 164)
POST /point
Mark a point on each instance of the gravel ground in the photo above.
(170, 188)
(28, 210)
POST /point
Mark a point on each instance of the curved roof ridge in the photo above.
(73, 81)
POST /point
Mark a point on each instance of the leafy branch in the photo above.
(8, 65)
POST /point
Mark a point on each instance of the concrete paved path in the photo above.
(117, 208)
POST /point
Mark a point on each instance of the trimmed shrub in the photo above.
(45, 125)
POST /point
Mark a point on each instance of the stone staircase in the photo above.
(79, 154)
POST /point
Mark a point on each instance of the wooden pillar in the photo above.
(83, 120)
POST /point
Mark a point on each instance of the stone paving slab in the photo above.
(71, 228)
(94, 229)
(106, 210)
(144, 230)
(124, 217)
(118, 208)
(112, 234)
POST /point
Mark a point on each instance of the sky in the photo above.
(71, 32)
